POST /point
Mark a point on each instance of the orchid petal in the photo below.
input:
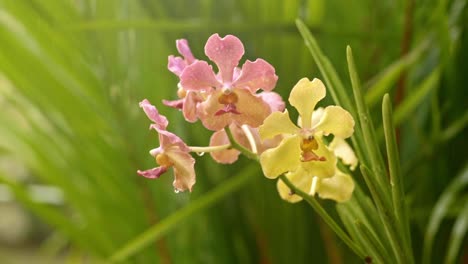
(336, 121)
(226, 53)
(184, 171)
(281, 159)
(276, 124)
(339, 187)
(251, 110)
(177, 104)
(152, 113)
(344, 151)
(198, 76)
(300, 179)
(184, 50)
(304, 97)
(256, 75)
(176, 65)
(168, 140)
(153, 173)
(227, 156)
(274, 100)
(189, 109)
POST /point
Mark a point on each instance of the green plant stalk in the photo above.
(373, 243)
(385, 214)
(249, 154)
(396, 181)
(367, 130)
(326, 217)
(164, 226)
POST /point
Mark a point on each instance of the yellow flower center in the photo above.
(163, 160)
(308, 145)
(228, 98)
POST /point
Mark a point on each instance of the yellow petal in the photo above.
(300, 179)
(336, 121)
(339, 187)
(344, 151)
(305, 96)
(276, 124)
(282, 159)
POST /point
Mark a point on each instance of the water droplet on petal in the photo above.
(176, 190)
(200, 153)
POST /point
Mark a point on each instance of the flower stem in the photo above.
(249, 154)
(326, 217)
(209, 149)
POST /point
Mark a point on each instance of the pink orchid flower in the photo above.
(231, 94)
(188, 99)
(172, 152)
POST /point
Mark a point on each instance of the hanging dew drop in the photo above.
(200, 153)
(176, 190)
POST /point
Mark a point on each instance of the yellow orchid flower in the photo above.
(302, 154)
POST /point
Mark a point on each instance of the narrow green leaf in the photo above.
(457, 236)
(398, 197)
(370, 142)
(440, 211)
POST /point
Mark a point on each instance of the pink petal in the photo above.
(250, 110)
(168, 139)
(227, 156)
(274, 100)
(207, 111)
(256, 75)
(160, 121)
(198, 76)
(176, 65)
(226, 53)
(253, 110)
(189, 109)
(153, 173)
(177, 104)
(184, 50)
(184, 171)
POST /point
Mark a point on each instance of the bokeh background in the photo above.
(72, 135)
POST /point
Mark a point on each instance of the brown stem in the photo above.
(404, 48)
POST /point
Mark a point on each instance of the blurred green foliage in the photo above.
(72, 74)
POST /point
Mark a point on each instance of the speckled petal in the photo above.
(282, 159)
(184, 50)
(176, 64)
(339, 187)
(253, 110)
(198, 76)
(226, 53)
(168, 139)
(276, 124)
(152, 113)
(336, 121)
(304, 97)
(256, 75)
(184, 171)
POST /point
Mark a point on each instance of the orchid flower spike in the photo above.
(172, 152)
